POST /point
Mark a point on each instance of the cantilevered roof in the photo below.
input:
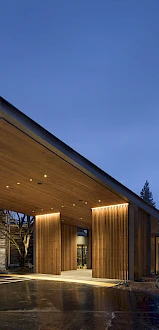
(72, 185)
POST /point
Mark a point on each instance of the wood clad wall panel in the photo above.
(2, 251)
(110, 242)
(141, 243)
(48, 244)
(69, 248)
(153, 254)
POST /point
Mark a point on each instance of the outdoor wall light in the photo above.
(110, 206)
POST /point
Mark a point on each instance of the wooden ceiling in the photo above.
(66, 189)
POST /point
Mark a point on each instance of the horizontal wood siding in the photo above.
(110, 242)
(69, 248)
(48, 244)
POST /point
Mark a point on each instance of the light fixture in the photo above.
(33, 211)
(81, 218)
(110, 206)
(47, 215)
(99, 201)
(42, 209)
(45, 175)
(62, 220)
(31, 179)
(74, 204)
(7, 186)
(52, 208)
(62, 206)
(18, 182)
(86, 202)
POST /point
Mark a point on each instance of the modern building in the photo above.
(41, 176)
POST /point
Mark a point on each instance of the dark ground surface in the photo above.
(49, 305)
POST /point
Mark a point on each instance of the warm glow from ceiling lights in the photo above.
(74, 204)
(47, 215)
(62, 206)
(33, 211)
(18, 182)
(52, 208)
(99, 200)
(109, 206)
(86, 202)
(81, 218)
(7, 186)
(45, 175)
(31, 179)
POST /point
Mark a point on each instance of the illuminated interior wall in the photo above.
(110, 242)
(48, 244)
(69, 248)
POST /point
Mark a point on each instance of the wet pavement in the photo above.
(46, 305)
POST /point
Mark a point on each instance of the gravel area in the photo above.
(146, 284)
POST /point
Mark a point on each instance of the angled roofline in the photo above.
(28, 126)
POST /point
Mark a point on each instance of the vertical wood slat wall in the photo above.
(48, 244)
(69, 248)
(110, 242)
(141, 243)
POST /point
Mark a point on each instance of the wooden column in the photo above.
(142, 235)
(131, 233)
(69, 248)
(89, 255)
(48, 244)
(110, 242)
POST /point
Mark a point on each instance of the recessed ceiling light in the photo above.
(45, 175)
(18, 182)
(86, 202)
(62, 206)
(7, 186)
(74, 204)
(99, 201)
(31, 179)
(62, 220)
(42, 209)
(33, 211)
(81, 218)
(52, 208)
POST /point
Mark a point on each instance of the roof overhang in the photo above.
(29, 151)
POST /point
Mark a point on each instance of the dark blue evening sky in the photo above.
(88, 71)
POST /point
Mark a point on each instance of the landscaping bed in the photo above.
(148, 284)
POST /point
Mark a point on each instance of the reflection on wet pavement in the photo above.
(43, 305)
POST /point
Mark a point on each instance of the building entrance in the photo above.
(82, 256)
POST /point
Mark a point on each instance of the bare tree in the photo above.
(24, 225)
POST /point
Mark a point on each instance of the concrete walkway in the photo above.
(83, 276)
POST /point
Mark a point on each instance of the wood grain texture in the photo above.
(22, 158)
(69, 248)
(141, 243)
(48, 244)
(110, 242)
(2, 250)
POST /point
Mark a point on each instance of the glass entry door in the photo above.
(81, 256)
